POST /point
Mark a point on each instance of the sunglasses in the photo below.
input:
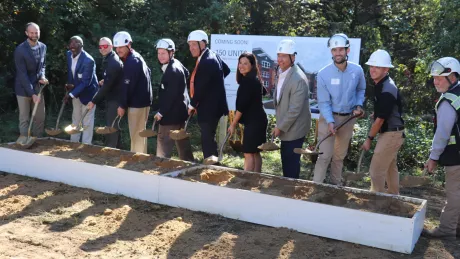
(103, 46)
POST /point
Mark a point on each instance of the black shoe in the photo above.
(436, 233)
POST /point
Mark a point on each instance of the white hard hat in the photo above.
(121, 39)
(198, 35)
(286, 47)
(380, 58)
(339, 40)
(167, 44)
(444, 66)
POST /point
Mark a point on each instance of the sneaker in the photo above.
(436, 233)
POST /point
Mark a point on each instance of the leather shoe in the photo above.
(436, 233)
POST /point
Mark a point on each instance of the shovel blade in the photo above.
(147, 133)
(415, 181)
(306, 152)
(270, 146)
(53, 131)
(236, 145)
(178, 134)
(105, 130)
(29, 141)
(350, 176)
(212, 160)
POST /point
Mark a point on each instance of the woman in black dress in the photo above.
(250, 111)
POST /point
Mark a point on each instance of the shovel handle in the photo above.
(153, 125)
(340, 125)
(222, 146)
(80, 124)
(188, 119)
(113, 123)
(61, 110)
(360, 160)
(34, 111)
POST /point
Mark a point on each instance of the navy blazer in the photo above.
(209, 97)
(28, 71)
(171, 94)
(85, 79)
(113, 72)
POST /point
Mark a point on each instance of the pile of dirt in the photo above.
(139, 162)
(303, 190)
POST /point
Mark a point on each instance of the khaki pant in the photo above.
(165, 143)
(335, 148)
(88, 122)
(383, 165)
(137, 120)
(450, 215)
(26, 106)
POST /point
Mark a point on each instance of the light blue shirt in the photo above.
(340, 91)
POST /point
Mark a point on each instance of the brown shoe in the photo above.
(436, 233)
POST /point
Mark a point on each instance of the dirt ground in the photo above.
(303, 191)
(145, 163)
(40, 219)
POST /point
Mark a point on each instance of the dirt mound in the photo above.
(304, 190)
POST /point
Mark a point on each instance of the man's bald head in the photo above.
(32, 32)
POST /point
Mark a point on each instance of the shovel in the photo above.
(415, 181)
(212, 160)
(29, 141)
(72, 129)
(182, 133)
(147, 133)
(350, 176)
(269, 146)
(315, 151)
(108, 130)
(237, 144)
(56, 131)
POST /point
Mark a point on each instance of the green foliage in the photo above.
(414, 32)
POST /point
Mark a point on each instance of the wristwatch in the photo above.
(370, 137)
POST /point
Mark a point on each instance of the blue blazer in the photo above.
(28, 71)
(85, 79)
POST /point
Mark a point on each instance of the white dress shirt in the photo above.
(280, 83)
(73, 67)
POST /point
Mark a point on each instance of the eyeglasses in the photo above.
(437, 69)
(103, 46)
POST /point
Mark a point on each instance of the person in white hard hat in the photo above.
(388, 123)
(136, 90)
(340, 89)
(291, 100)
(207, 90)
(446, 144)
(173, 101)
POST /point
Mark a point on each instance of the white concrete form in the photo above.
(366, 228)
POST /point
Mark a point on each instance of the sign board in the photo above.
(312, 55)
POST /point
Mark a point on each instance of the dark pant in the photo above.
(289, 159)
(208, 137)
(112, 139)
(165, 144)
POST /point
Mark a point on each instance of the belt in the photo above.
(394, 129)
(341, 114)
